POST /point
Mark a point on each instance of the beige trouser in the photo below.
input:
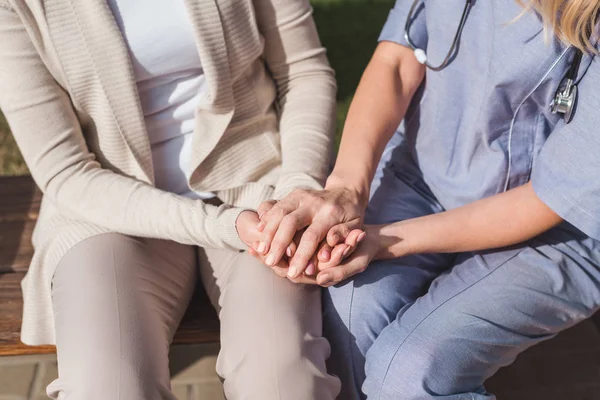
(118, 300)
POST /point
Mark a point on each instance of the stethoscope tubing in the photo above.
(455, 41)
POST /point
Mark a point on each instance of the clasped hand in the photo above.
(311, 236)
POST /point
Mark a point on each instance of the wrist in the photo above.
(358, 187)
(392, 241)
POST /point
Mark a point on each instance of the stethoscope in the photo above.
(565, 98)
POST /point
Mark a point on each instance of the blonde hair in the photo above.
(572, 21)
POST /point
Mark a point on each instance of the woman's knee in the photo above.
(282, 373)
(114, 316)
(101, 374)
(272, 345)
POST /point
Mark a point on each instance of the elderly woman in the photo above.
(154, 129)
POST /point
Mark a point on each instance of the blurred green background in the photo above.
(349, 30)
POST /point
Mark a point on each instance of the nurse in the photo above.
(483, 228)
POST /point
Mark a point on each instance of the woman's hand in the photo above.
(327, 257)
(246, 225)
(328, 215)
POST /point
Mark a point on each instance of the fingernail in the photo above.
(335, 237)
(326, 254)
(323, 279)
(292, 272)
(288, 251)
(311, 269)
(271, 259)
(347, 251)
(261, 247)
(361, 237)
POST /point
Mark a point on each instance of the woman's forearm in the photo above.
(48, 131)
(383, 95)
(306, 90)
(498, 221)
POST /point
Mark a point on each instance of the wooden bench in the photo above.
(19, 208)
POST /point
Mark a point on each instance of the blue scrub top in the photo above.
(483, 124)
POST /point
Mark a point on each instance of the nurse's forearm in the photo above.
(501, 220)
(383, 95)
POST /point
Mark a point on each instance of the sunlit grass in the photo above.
(349, 30)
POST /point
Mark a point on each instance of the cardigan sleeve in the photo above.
(306, 90)
(49, 135)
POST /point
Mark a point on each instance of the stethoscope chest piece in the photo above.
(565, 101)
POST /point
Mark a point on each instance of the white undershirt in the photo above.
(170, 79)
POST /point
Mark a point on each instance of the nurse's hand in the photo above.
(328, 215)
(368, 250)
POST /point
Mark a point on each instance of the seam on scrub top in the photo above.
(489, 67)
(531, 153)
(437, 308)
(576, 205)
(512, 122)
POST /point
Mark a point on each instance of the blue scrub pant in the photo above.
(436, 326)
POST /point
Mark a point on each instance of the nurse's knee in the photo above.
(421, 366)
(353, 309)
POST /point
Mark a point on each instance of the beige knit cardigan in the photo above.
(67, 89)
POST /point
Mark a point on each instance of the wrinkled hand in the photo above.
(334, 257)
(247, 228)
(328, 215)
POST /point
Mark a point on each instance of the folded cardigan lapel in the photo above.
(215, 109)
(101, 55)
(85, 32)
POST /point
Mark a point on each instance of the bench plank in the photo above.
(20, 201)
(19, 207)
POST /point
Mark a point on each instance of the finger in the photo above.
(305, 279)
(308, 245)
(290, 250)
(333, 276)
(324, 253)
(340, 232)
(284, 235)
(265, 207)
(272, 219)
(275, 217)
(311, 268)
(338, 254)
(280, 269)
(355, 237)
